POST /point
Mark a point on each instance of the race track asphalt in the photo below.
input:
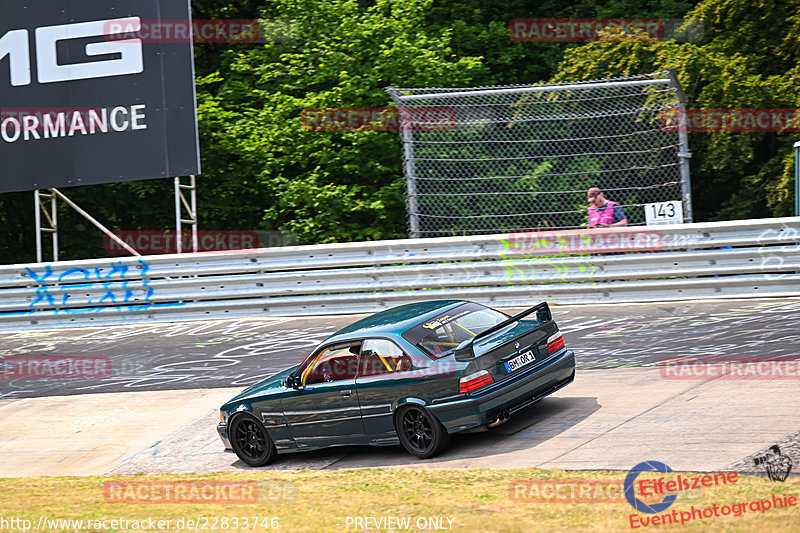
(155, 411)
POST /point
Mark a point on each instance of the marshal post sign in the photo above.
(86, 98)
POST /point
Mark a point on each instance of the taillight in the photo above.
(555, 343)
(474, 381)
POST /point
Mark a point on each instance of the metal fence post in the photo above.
(406, 125)
(411, 185)
(683, 146)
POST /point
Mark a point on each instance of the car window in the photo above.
(381, 356)
(333, 363)
(478, 321)
(444, 333)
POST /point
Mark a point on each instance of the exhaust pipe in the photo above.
(500, 419)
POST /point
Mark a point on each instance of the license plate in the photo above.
(520, 361)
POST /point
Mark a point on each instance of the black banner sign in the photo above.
(87, 97)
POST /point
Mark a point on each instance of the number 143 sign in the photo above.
(664, 213)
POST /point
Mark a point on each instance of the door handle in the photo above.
(346, 392)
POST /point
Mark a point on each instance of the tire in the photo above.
(420, 433)
(250, 441)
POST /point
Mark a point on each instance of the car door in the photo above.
(385, 374)
(324, 410)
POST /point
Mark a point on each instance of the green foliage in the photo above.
(323, 186)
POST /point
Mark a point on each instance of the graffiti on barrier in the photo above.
(546, 258)
(91, 290)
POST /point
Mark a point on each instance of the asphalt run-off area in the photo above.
(156, 409)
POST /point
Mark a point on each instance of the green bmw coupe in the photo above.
(411, 375)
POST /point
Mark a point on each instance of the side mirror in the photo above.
(292, 382)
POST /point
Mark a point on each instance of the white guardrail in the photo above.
(750, 258)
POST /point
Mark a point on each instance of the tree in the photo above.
(323, 186)
(734, 175)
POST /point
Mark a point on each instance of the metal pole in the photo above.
(38, 217)
(411, 183)
(178, 244)
(191, 208)
(797, 179)
(408, 151)
(194, 213)
(101, 227)
(683, 147)
(54, 221)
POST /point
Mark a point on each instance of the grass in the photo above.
(476, 500)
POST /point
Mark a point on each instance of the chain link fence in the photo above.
(521, 157)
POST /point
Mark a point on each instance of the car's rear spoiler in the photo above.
(466, 352)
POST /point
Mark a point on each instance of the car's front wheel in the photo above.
(250, 441)
(420, 432)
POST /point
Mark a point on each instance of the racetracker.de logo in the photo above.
(566, 491)
(183, 31)
(152, 242)
(585, 241)
(160, 492)
(378, 119)
(725, 367)
(55, 367)
(596, 29)
(711, 120)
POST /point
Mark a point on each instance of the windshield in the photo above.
(441, 335)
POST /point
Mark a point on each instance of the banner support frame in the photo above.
(191, 208)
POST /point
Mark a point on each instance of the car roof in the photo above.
(394, 321)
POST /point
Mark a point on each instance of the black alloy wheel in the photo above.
(250, 441)
(420, 432)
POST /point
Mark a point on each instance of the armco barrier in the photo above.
(751, 258)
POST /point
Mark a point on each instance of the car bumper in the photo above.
(510, 395)
(222, 429)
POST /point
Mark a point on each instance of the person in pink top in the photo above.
(604, 213)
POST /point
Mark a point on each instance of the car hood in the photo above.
(270, 385)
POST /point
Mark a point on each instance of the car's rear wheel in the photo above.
(420, 432)
(250, 441)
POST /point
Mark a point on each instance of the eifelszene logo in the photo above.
(777, 464)
(15, 45)
(630, 494)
